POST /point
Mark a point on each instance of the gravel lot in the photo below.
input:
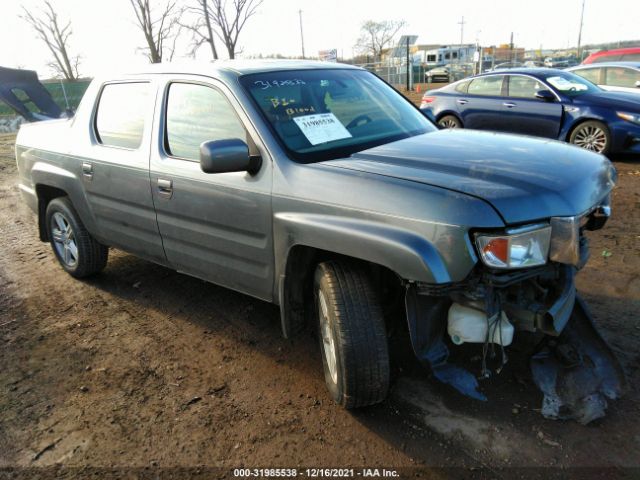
(144, 367)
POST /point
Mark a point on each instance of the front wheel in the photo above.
(76, 250)
(449, 121)
(593, 136)
(353, 336)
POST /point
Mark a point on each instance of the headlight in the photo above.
(521, 248)
(629, 117)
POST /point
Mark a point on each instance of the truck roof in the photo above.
(238, 67)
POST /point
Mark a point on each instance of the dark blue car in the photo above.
(543, 102)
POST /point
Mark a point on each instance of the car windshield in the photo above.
(323, 114)
(570, 84)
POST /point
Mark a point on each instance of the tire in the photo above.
(449, 121)
(74, 247)
(592, 135)
(353, 338)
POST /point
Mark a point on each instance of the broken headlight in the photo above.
(517, 248)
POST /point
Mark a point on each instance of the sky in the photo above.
(107, 38)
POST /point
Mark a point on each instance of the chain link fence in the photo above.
(420, 76)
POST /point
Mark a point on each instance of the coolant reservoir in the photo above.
(465, 324)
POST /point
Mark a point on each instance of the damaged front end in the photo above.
(572, 364)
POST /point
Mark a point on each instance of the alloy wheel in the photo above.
(328, 342)
(448, 123)
(64, 240)
(591, 138)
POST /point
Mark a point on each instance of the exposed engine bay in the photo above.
(571, 363)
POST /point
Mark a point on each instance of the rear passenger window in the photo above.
(196, 114)
(120, 115)
(631, 57)
(621, 77)
(607, 58)
(491, 85)
(462, 87)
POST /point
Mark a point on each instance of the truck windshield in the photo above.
(331, 113)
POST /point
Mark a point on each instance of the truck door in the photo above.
(213, 226)
(115, 168)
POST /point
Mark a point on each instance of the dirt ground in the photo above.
(141, 367)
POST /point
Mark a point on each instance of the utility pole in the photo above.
(580, 33)
(461, 23)
(408, 67)
(511, 48)
(301, 35)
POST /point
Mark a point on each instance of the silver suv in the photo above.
(321, 189)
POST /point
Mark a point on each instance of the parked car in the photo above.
(318, 187)
(542, 102)
(614, 76)
(438, 75)
(533, 64)
(560, 62)
(616, 55)
(449, 73)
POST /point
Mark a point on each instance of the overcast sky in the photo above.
(106, 36)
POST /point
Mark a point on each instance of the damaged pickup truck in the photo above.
(321, 189)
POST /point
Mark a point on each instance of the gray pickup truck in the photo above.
(321, 189)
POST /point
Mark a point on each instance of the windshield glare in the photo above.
(571, 85)
(324, 114)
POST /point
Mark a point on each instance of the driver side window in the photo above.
(524, 87)
(195, 114)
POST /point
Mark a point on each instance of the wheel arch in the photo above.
(453, 113)
(302, 240)
(296, 283)
(593, 118)
(45, 194)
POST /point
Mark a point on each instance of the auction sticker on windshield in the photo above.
(321, 128)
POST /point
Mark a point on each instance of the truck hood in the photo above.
(524, 178)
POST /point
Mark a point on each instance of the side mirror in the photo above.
(229, 155)
(545, 95)
(638, 84)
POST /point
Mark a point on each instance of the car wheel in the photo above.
(353, 337)
(449, 121)
(593, 136)
(76, 250)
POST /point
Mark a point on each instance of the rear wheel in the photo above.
(593, 136)
(76, 250)
(353, 337)
(449, 121)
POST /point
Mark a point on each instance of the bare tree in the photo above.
(376, 36)
(229, 20)
(202, 29)
(56, 36)
(159, 31)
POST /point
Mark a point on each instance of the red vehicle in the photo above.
(616, 55)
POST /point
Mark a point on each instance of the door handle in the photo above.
(87, 170)
(165, 187)
(509, 104)
(462, 101)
